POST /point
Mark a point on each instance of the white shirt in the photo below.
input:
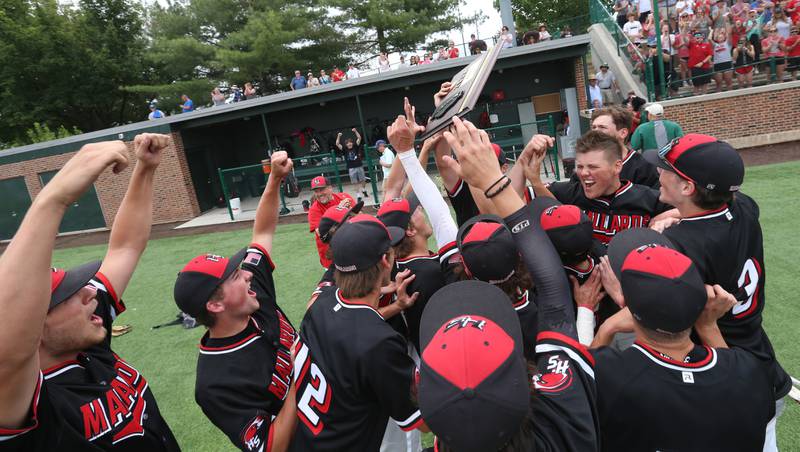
(544, 36)
(353, 73)
(595, 95)
(508, 40)
(633, 29)
(645, 6)
(606, 81)
(387, 157)
(684, 5)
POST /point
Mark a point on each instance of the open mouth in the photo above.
(588, 183)
(96, 320)
(251, 292)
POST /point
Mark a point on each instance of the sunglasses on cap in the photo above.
(662, 155)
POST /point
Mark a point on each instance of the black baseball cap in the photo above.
(397, 212)
(566, 225)
(66, 283)
(702, 159)
(198, 280)
(662, 287)
(487, 249)
(335, 216)
(501, 156)
(474, 391)
(361, 242)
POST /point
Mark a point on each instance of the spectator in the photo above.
(353, 159)
(645, 7)
(792, 9)
(622, 8)
(324, 78)
(633, 28)
(442, 55)
(657, 132)
(723, 61)
(595, 95)
(506, 38)
(249, 91)
(187, 104)
(452, 51)
(682, 40)
(530, 37)
(739, 11)
(353, 72)
(313, 81)
(544, 35)
(684, 8)
(607, 82)
(566, 32)
(402, 63)
(700, 55)
(719, 14)
(773, 46)
(701, 22)
(337, 75)
(782, 23)
(426, 59)
(476, 46)
(323, 199)
(413, 61)
(237, 93)
(745, 55)
(387, 157)
(155, 113)
(793, 51)
(737, 31)
(754, 29)
(383, 62)
(217, 97)
(298, 82)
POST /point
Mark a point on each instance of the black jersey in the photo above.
(726, 245)
(635, 169)
(352, 372)
(96, 402)
(529, 323)
(717, 399)
(462, 202)
(242, 380)
(631, 206)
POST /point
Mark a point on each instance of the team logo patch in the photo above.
(214, 257)
(557, 378)
(520, 226)
(463, 322)
(250, 437)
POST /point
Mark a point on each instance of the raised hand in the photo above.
(444, 90)
(477, 164)
(610, 282)
(719, 302)
(590, 293)
(402, 280)
(148, 148)
(404, 129)
(533, 154)
(281, 164)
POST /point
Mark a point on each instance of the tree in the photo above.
(528, 14)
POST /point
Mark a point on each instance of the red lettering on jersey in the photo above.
(126, 392)
(117, 409)
(287, 333)
(282, 376)
(606, 226)
(126, 372)
(95, 421)
(134, 427)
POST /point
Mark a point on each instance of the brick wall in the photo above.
(580, 84)
(739, 115)
(174, 195)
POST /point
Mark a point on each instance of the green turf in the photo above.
(167, 356)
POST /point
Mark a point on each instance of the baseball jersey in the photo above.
(242, 380)
(315, 213)
(631, 206)
(352, 372)
(726, 246)
(716, 399)
(462, 202)
(95, 402)
(635, 169)
(528, 321)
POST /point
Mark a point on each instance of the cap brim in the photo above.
(651, 157)
(74, 280)
(489, 218)
(396, 235)
(628, 240)
(542, 203)
(234, 263)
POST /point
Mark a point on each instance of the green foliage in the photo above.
(528, 14)
(41, 132)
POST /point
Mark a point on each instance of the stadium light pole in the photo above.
(508, 19)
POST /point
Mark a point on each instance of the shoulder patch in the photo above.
(253, 258)
(250, 438)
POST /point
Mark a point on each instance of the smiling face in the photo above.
(72, 326)
(674, 189)
(324, 194)
(238, 299)
(598, 173)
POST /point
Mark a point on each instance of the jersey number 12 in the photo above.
(314, 398)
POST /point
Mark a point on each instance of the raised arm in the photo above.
(358, 136)
(339, 141)
(478, 166)
(25, 275)
(267, 211)
(131, 228)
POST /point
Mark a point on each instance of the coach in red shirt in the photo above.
(700, 56)
(323, 198)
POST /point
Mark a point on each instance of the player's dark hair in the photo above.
(709, 200)
(598, 141)
(520, 281)
(357, 284)
(665, 337)
(206, 318)
(622, 118)
(404, 248)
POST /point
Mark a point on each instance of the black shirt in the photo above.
(727, 247)
(96, 402)
(352, 156)
(352, 373)
(242, 380)
(717, 399)
(462, 202)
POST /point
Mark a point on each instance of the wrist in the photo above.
(586, 306)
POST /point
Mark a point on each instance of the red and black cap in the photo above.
(65, 283)
(501, 156)
(361, 242)
(567, 226)
(335, 216)
(198, 280)
(487, 249)
(397, 212)
(473, 388)
(702, 159)
(662, 287)
(319, 182)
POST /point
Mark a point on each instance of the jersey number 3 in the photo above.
(748, 287)
(314, 397)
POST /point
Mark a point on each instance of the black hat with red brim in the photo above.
(487, 248)
(198, 280)
(360, 243)
(566, 225)
(66, 283)
(334, 217)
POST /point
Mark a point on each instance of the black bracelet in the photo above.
(499, 189)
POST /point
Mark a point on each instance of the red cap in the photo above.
(319, 182)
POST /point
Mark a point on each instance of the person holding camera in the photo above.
(744, 56)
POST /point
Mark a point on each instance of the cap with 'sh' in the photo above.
(198, 280)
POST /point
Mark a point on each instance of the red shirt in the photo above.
(698, 51)
(315, 213)
(795, 52)
(337, 75)
(452, 53)
(772, 46)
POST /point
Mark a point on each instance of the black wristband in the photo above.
(502, 187)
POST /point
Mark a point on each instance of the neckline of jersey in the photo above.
(354, 304)
(708, 214)
(227, 343)
(708, 361)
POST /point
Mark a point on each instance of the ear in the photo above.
(688, 187)
(215, 306)
(410, 231)
(617, 167)
(623, 133)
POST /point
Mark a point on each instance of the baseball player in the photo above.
(477, 400)
(331, 220)
(244, 370)
(612, 204)
(665, 378)
(324, 198)
(720, 231)
(63, 387)
(352, 369)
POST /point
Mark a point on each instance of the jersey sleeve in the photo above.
(565, 408)
(248, 427)
(314, 215)
(390, 374)
(563, 191)
(109, 305)
(258, 262)
(462, 202)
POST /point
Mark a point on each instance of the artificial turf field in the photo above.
(167, 356)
